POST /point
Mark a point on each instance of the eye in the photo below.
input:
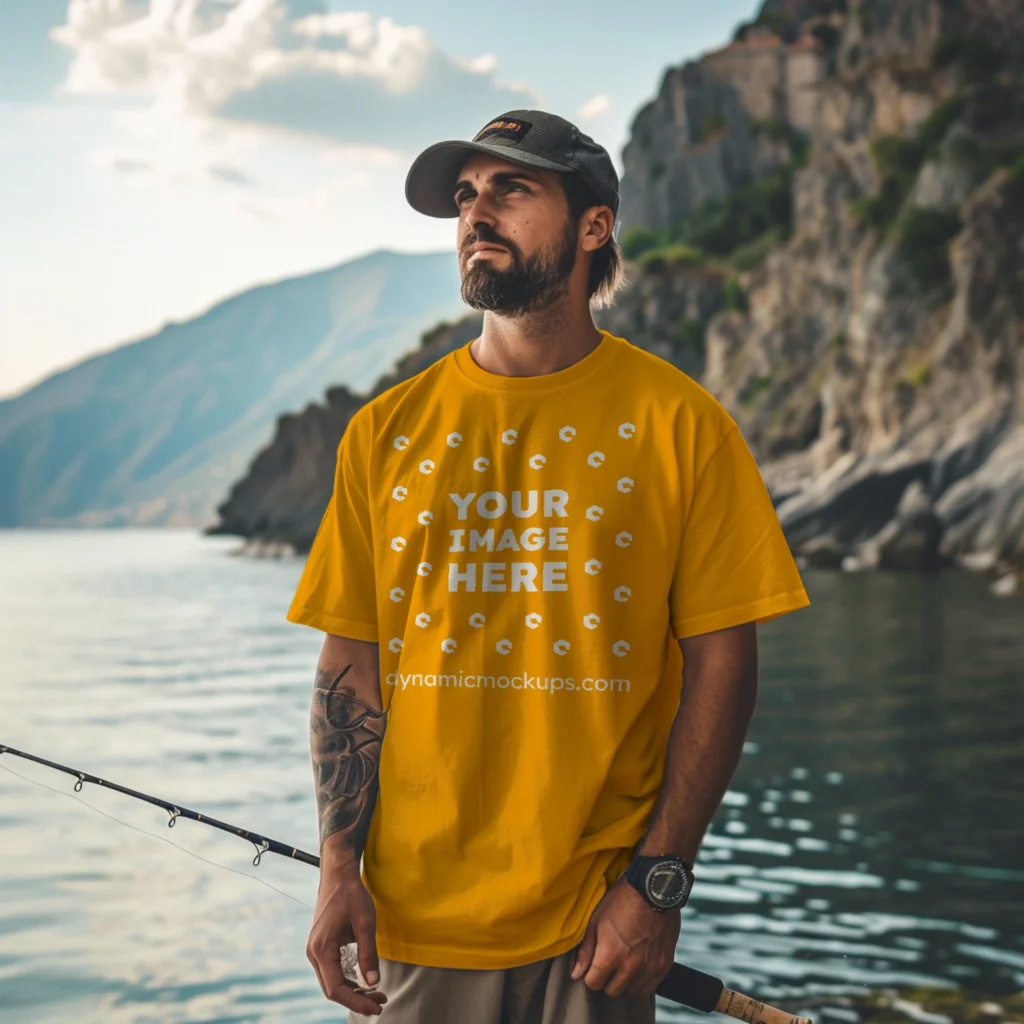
(517, 185)
(462, 195)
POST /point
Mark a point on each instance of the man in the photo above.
(540, 574)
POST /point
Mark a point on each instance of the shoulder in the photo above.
(692, 409)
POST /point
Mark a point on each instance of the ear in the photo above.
(596, 226)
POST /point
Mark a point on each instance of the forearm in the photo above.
(706, 740)
(346, 732)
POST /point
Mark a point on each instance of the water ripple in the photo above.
(887, 855)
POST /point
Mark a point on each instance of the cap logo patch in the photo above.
(504, 128)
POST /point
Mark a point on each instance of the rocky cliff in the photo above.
(281, 500)
(715, 122)
(878, 364)
(866, 334)
(825, 221)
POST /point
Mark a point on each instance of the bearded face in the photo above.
(526, 283)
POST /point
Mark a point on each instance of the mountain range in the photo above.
(154, 432)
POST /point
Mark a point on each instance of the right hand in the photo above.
(345, 913)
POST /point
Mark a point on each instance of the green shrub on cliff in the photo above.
(919, 375)
(683, 256)
(691, 336)
(757, 387)
(933, 129)
(880, 210)
(778, 130)
(653, 262)
(746, 213)
(637, 241)
(712, 125)
(899, 159)
(752, 254)
(734, 297)
(658, 259)
(924, 236)
(739, 229)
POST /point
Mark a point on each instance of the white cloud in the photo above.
(486, 64)
(206, 81)
(595, 106)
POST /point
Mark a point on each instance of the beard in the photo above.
(528, 284)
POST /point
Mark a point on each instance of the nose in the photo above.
(479, 210)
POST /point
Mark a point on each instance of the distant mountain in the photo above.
(155, 431)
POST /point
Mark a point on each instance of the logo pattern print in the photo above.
(595, 459)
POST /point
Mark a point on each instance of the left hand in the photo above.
(628, 945)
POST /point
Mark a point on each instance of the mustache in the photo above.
(484, 233)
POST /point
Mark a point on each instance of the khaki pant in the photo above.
(537, 993)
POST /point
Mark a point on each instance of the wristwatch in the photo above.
(665, 882)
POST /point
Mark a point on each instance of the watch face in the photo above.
(667, 885)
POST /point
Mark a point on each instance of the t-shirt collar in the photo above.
(595, 360)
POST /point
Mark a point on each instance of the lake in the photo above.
(872, 836)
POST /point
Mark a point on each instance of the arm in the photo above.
(629, 946)
(346, 731)
(719, 693)
(346, 727)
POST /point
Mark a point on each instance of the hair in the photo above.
(606, 269)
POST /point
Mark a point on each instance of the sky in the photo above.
(157, 156)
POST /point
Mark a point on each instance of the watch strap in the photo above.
(639, 868)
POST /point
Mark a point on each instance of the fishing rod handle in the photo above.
(741, 1007)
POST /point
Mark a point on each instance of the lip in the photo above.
(481, 247)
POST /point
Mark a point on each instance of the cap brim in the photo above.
(430, 184)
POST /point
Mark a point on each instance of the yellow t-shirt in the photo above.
(525, 551)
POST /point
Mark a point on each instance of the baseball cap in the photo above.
(531, 138)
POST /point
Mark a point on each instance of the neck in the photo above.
(544, 341)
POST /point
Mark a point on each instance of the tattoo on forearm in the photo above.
(346, 735)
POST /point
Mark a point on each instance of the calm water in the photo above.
(872, 836)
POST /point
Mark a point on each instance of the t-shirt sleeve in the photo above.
(734, 563)
(337, 592)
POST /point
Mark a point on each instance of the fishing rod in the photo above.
(262, 843)
(682, 984)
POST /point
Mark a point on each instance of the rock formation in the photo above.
(713, 124)
(281, 500)
(877, 370)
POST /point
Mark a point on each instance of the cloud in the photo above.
(192, 72)
(595, 106)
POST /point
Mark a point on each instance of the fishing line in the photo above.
(163, 839)
(682, 984)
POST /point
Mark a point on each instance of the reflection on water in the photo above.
(872, 835)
